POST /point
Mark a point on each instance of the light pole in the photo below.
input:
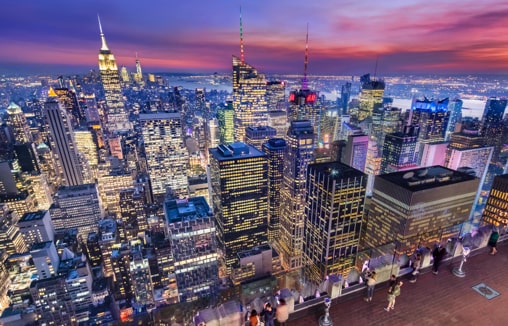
(458, 271)
(326, 320)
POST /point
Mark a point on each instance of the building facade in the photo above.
(239, 191)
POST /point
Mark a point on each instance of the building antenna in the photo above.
(306, 61)
(104, 46)
(375, 68)
(242, 57)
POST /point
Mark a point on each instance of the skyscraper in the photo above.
(400, 150)
(304, 104)
(432, 117)
(191, 230)
(249, 94)
(249, 102)
(256, 136)
(77, 207)
(275, 95)
(117, 115)
(239, 191)
(455, 109)
(275, 150)
(334, 213)
(299, 153)
(62, 142)
(225, 119)
(495, 212)
(138, 76)
(345, 95)
(166, 155)
(371, 96)
(18, 124)
(355, 153)
(418, 207)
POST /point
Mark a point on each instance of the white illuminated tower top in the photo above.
(117, 116)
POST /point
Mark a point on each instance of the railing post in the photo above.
(326, 320)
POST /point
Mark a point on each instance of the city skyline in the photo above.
(344, 38)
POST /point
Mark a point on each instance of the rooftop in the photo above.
(186, 209)
(33, 216)
(443, 299)
(234, 151)
(426, 178)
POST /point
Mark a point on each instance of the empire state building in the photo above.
(117, 116)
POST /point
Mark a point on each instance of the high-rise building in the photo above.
(52, 301)
(279, 121)
(11, 239)
(257, 136)
(213, 139)
(455, 109)
(86, 145)
(166, 155)
(275, 150)
(21, 202)
(62, 142)
(141, 278)
(371, 96)
(36, 227)
(400, 150)
(299, 154)
(117, 115)
(191, 230)
(434, 154)
(132, 213)
(418, 207)
(45, 259)
(304, 104)
(275, 95)
(239, 195)
(345, 95)
(138, 76)
(124, 74)
(477, 161)
(7, 180)
(334, 213)
(249, 101)
(110, 186)
(18, 124)
(249, 94)
(432, 117)
(355, 153)
(465, 139)
(70, 102)
(496, 209)
(78, 283)
(225, 118)
(121, 261)
(77, 207)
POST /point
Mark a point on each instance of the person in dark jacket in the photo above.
(269, 314)
(494, 236)
(438, 253)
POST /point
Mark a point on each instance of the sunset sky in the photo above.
(345, 37)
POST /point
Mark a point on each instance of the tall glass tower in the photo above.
(62, 142)
(299, 153)
(239, 191)
(166, 155)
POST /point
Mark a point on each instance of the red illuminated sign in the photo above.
(311, 98)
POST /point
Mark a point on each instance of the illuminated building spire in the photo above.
(104, 46)
(306, 61)
(242, 57)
